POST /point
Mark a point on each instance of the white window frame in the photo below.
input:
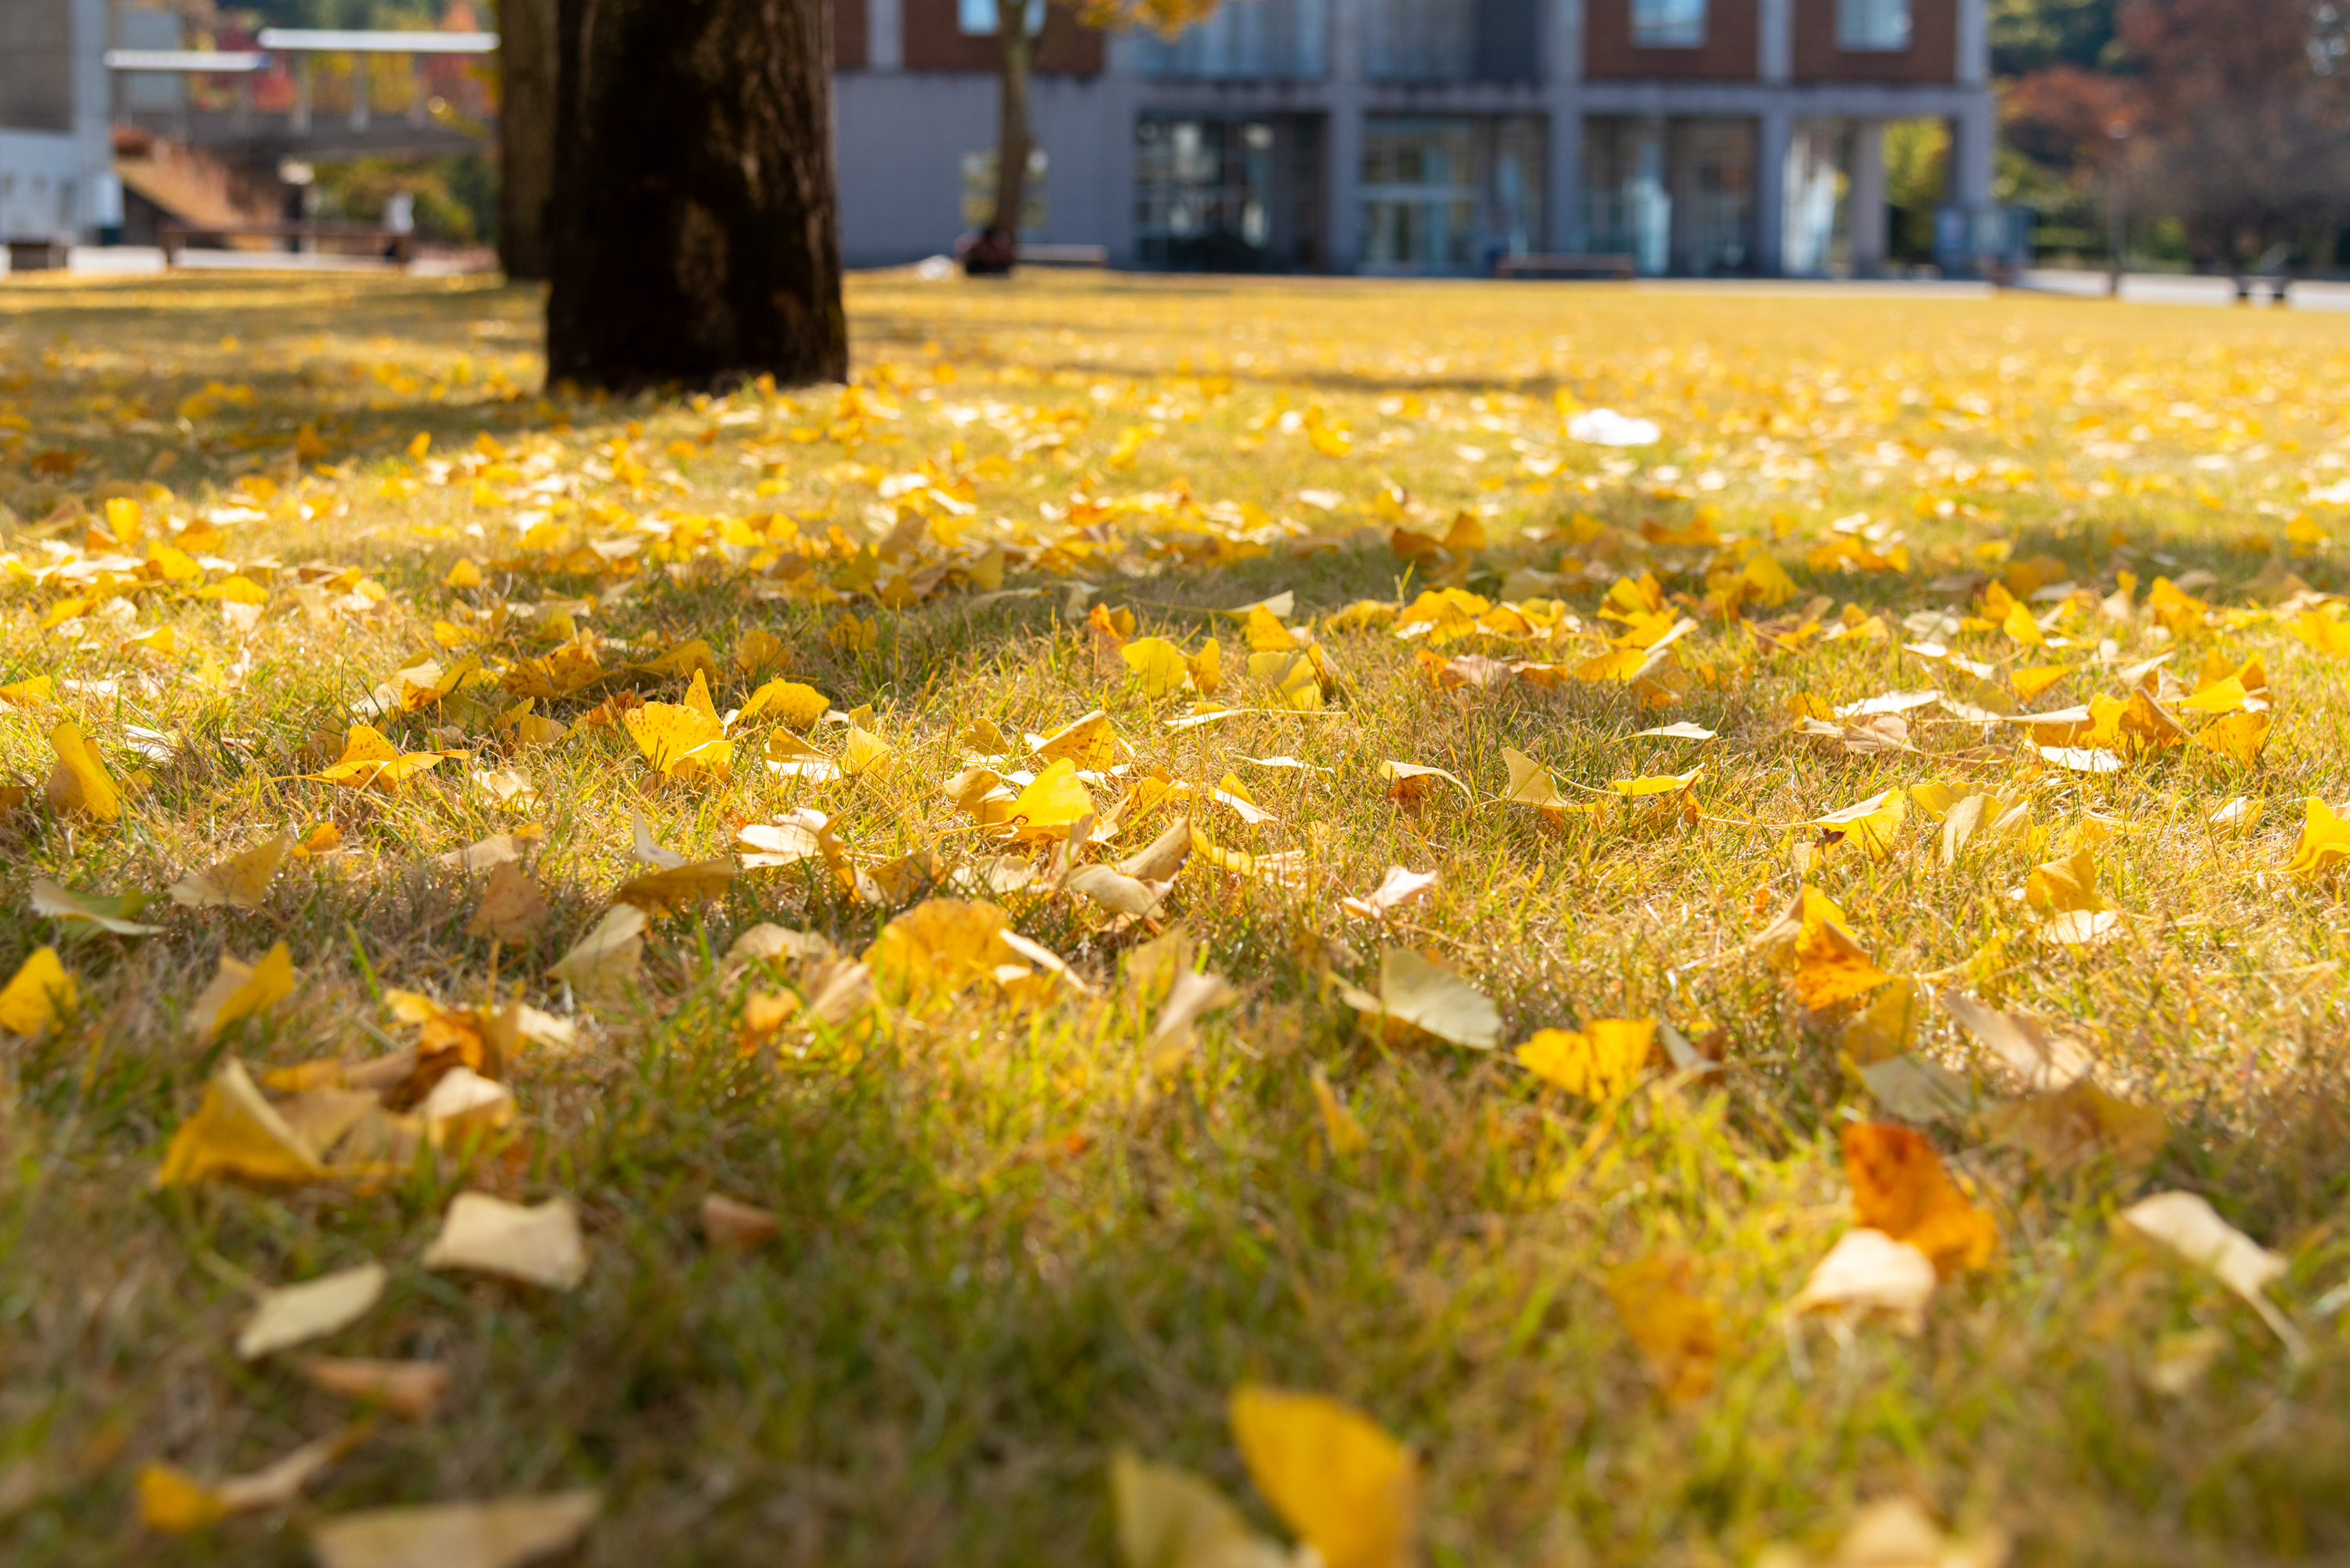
(1669, 24)
(1874, 27)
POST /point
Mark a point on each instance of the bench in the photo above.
(399, 245)
(38, 255)
(1065, 255)
(1619, 267)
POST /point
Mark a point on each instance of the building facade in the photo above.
(1697, 137)
(57, 161)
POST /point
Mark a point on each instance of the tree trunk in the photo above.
(1012, 139)
(525, 134)
(695, 233)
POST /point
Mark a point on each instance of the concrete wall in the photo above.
(40, 179)
(903, 137)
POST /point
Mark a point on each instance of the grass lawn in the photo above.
(1027, 1215)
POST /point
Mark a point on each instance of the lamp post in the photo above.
(2116, 225)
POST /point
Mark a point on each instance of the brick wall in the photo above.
(851, 40)
(1729, 53)
(1932, 54)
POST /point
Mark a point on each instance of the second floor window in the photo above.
(978, 16)
(1872, 24)
(1669, 24)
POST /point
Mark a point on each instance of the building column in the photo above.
(1868, 213)
(885, 35)
(1563, 92)
(97, 195)
(1974, 43)
(1973, 138)
(1775, 48)
(1777, 132)
(1342, 212)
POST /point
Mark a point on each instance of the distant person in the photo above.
(989, 255)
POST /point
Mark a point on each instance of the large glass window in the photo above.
(1450, 193)
(979, 16)
(1872, 24)
(1228, 195)
(1667, 24)
(1278, 39)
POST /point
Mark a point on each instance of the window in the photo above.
(1669, 24)
(979, 16)
(1873, 24)
(1451, 195)
(979, 191)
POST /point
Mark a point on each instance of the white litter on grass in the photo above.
(1606, 427)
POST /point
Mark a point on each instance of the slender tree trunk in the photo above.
(1012, 140)
(695, 232)
(526, 133)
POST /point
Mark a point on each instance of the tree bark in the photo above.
(695, 232)
(525, 134)
(1012, 141)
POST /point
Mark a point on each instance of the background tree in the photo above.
(1017, 40)
(695, 235)
(525, 134)
(2242, 127)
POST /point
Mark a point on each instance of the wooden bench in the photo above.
(399, 246)
(38, 255)
(1065, 255)
(1619, 267)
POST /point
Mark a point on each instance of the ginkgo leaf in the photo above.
(1874, 823)
(864, 754)
(1398, 888)
(1088, 744)
(410, 1389)
(1169, 1518)
(511, 908)
(487, 854)
(240, 882)
(38, 994)
(83, 914)
(2324, 841)
(1655, 786)
(2046, 1063)
(371, 762)
(608, 956)
(506, 1533)
(241, 989)
(1898, 1186)
(537, 1244)
(1051, 804)
(788, 756)
(1825, 965)
(1674, 1329)
(682, 741)
(295, 1314)
(1600, 1063)
(936, 948)
(1349, 1491)
(79, 782)
(2078, 1122)
(1159, 667)
(795, 705)
(733, 1226)
(1114, 890)
(2187, 1224)
(2238, 737)
(1530, 782)
(1684, 731)
(236, 1132)
(1428, 996)
(1869, 1272)
(1411, 780)
(1291, 676)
